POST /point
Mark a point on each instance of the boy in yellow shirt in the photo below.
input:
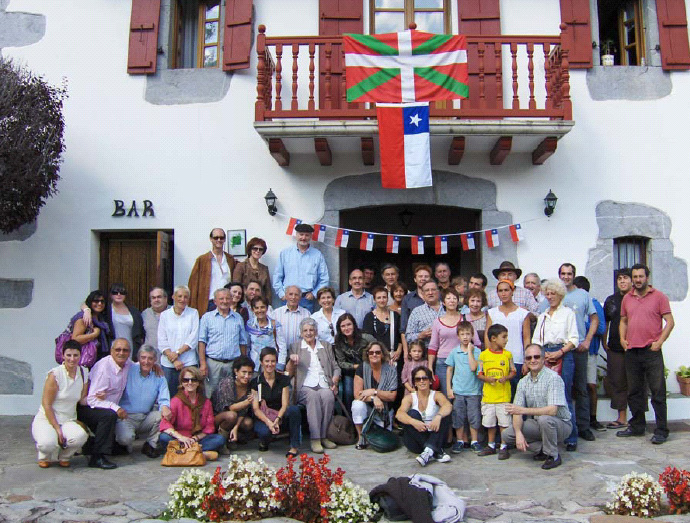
(496, 369)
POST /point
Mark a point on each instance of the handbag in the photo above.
(178, 456)
(89, 350)
(341, 429)
(378, 438)
(271, 414)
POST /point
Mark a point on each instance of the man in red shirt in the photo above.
(646, 322)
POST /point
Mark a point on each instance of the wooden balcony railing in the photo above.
(509, 77)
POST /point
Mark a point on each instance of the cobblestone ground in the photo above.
(515, 490)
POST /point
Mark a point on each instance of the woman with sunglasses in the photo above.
(251, 269)
(191, 416)
(375, 387)
(90, 325)
(425, 417)
(326, 317)
(124, 320)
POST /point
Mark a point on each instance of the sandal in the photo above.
(290, 454)
(361, 446)
(64, 463)
(616, 425)
(44, 464)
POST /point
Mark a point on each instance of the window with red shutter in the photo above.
(575, 14)
(237, 40)
(673, 34)
(143, 36)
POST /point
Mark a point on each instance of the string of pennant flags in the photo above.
(468, 239)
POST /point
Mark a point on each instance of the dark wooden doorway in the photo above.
(138, 259)
(423, 219)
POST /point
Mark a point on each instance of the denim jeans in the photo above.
(347, 390)
(209, 442)
(292, 422)
(172, 376)
(567, 373)
(440, 369)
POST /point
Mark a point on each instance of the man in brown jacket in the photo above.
(211, 271)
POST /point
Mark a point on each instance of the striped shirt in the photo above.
(544, 390)
(421, 318)
(287, 329)
(222, 335)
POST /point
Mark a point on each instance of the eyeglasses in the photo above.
(120, 293)
(421, 378)
(101, 300)
(121, 350)
(530, 358)
(189, 380)
(218, 237)
(258, 249)
(373, 352)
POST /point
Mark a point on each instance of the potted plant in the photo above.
(608, 49)
(683, 377)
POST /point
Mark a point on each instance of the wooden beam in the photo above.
(501, 150)
(545, 149)
(323, 151)
(457, 149)
(277, 149)
(368, 152)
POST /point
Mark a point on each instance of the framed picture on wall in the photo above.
(237, 242)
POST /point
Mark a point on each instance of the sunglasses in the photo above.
(373, 352)
(258, 249)
(421, 378)
(189, 380)
(120, 293)
(101, 300)
(530, 358)
(218, 237)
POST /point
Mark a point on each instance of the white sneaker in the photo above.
(442, 457)
(425, 457)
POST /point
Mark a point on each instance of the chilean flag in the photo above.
(341, 238)
(516, 233)
(404, 145)
(392, 244)
(467, 241)
(441, 244)
(319, 233)
(367, 242)
(418, 245)
(291, 226)
(491, 238)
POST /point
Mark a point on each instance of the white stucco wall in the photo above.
(203, 165)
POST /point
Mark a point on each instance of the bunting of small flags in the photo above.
(319, 233)
(467, 241)
(341, 238)
(367, 242)
(392, 244)
(418, 245)
(291, 226)
(492, 238)
(516, 232)
(441, 244)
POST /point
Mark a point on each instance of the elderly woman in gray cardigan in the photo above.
(376, 384)
(317, 375)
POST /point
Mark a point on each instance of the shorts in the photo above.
(592, 360)
(493, 412)
(467, 409)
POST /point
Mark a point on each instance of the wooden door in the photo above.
(164, 274)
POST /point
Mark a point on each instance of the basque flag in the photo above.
(319, 233)
(367, 242)
(516, 233)
(418, 245)
(392, 244)
(404, 145)
(341, 238)
(291, 226)
(467, 241)
(492, 238)
(441, 244)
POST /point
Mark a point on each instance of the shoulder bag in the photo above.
(89, 350)
(378, 438)
(341, 429)
(179, 456)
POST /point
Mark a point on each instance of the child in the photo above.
(463, 385)
(418, 358)
(496, 369)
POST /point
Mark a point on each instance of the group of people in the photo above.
(445, 362)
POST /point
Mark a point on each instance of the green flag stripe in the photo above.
(432, 44)
(443, 80)
(371, 82)
(374, 44)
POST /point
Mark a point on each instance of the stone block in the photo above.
(20, 29)
(151, 508)
(15, 377)
(616, 219)
(15, 293)
(21, 234)
(628, 83)
(187, 86)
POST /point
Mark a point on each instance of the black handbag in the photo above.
(341, 429)
(378, 438)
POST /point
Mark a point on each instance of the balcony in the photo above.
(519, 101)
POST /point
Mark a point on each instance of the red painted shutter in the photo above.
(479, 18)
(673, 34)
(143, 36)
(237, 39)
(335, 18)
(578, 37)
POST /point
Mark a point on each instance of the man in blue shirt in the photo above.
(303, 266)
(144, 390)
(356, 301)
(222, 338)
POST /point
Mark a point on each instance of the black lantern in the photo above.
(271, 202)
(406, 217)
(550, 202)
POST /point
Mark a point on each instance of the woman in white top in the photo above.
(55, 429)
(326, 317)
(425, 416)
(516, 320)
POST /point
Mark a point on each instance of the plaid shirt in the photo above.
(547, 389)
(421, 318)
(521, 297)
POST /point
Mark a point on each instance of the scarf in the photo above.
(196, 409)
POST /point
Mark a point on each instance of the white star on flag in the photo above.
(415, 119)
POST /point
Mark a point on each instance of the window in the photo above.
(197, 39)
(629, 250)
(390, 16)
(621, 31)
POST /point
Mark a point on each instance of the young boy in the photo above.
(496, 369)
(464, 388)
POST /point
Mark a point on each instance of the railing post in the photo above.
(279, 76)
(343, 80)
(295, 53)
(259, 106)
(513, 52)
(530, 75)
(312, 51)
(565, 89)
(327, 85)
(499, 75)
(547, 75)
(482, 95)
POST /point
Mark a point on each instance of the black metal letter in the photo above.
(119, 208)
(133, 210)
(148, 209)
